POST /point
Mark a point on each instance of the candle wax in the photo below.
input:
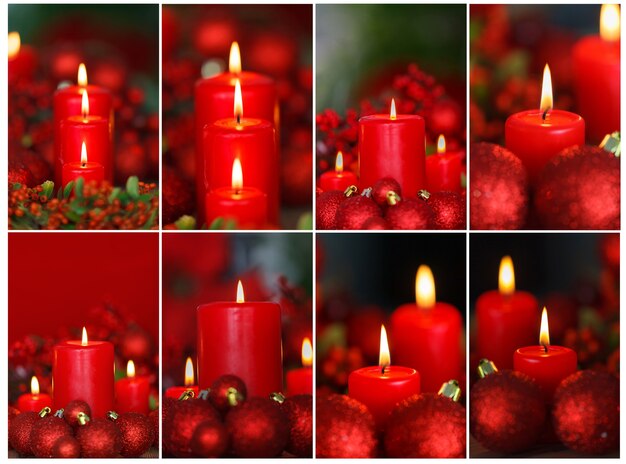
(246, 206)
(548, 368)
(300, 381)
(132, 394)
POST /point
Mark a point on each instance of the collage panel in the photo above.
(390, 346)
(83, 116)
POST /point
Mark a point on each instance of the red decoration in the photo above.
(72, 409)
(381, 189)
(375, 223)
(137, 434)
(176, 197)
(209, 440)
(299, 411)
(180, 422)
(99, 438)
(226, 392)
(326, 206)
(355, 211)
(155, 420)
(410, 214)
(132, 393)
(136, 344)
(45, 433)
(449, 210)
(19, 432)
(66, 447)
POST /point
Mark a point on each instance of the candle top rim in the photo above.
(75, 90)
(226, 79)
(246, 124)
(539, 350)
(90, 118)
(90, 343)
(385, 117)
(88, 164)
(233, 303)
(376, 371)
(245, 191)
(530, 118)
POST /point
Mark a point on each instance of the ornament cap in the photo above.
(612, 143)
(204, 394)
(485, 368)
(45, 411)
(59, 413)
(278, 397)
(112, 415)
(367, 192)
(392, 198)
(82, 418)
(187, 394)
(450, 389)
(350, 191)
(233, 396)
(423, 195)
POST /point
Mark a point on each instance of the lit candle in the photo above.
(535, 136)
(300, 381)
(427, 335)
(89, 171)
(339, 179)
(176, 392)
(547, 364)
(33, 401)
(505, 318)
(132, 393)
(596, 66)
(443, 170)
(22, 59)
(382, 387)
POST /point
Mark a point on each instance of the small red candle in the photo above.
(596, 72)
(176, 392)
(339, 179)
(393, 146)
(132, 394)
(443, 170)
(427, 336)
(83, 370)
(22, 59)
(547, 364)
(300, 381)
(241, 338)
(89, 171)
(33, 401)
(535, 136)
(382, 387)
(505, 319)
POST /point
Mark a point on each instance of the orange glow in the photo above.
(425, 287)
(83, 159)
(238, 109)
(392, 110)
(237, 175)
(14, 44)
(339, 163)
(506, 276)
(189, 375)
(85, 340)
(234, 60)
(441, 145)
(384, 358)
(130, 368)
(84, 105)
(307, 352)
(34, 385)
(82, 75)
(546, 90)
(609, 23)
(240, 295)
(544, 334)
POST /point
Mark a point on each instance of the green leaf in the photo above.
(114, 194)
(17, 186)
(78, 188)
(150, 222)
(132, 187)
(216, 224)
(68, 189)
(186, 223)
(231, 224)
(48, 188)
(305, 222)
(72, 216)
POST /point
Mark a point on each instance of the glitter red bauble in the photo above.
(410, 214)
(382, 187)
(299, 411)
(19, 174)
(326, 207)
(209, 440)
(180, 422)
(344, 428)
(99, 438)
(449, 210)
(154, 420)
(498, 188)
(586, 412)
(355, 211)
(137, 434)
(223, 389)
(66, 447)
(507, 411)
(72, 409)
(37, 166)
(19, 432)
(257, 429)
(45, 433)
(12, 413)
(580, 189)
(375, 223)
(177, 199)
(426, 426)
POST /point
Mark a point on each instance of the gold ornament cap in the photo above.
(450, 389)
(112, 415)
(59, 413)
(350, 191)
(485, 368)
(392, 198)
(278, 397)
(187, 394)
(204, 394)
(45, 411)
(82, 418)
(423, 195)
(612, 143)
(233, 396)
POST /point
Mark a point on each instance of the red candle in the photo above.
(443, 170)
(337, 179)
(382, 387)
(132, 394)
(89, 171)
(547, 364)
(596, 72)
(176, 392)
(300, 381)
(22, 59)
(33, 401)
(393, 146)
(427, 336)
(535, 136)
(68, 102)
(505, 319)
(214, 101)
(241, 338)
(247, 206)
(83, 370)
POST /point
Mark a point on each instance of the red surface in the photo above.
(393, 148)
(534, 141)
(132, 394)
(247, 206)
(88, 171)
(94, 131)
(54, 278)
(382, 392)
(22, 67)
(300, 381)
(30, 402)
(243, 339)
(175, 392)
(504, 323)
(332, 180)
(428, 340)
(596, 65)
(443, 172)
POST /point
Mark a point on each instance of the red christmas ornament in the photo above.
(177, 199)
(154, 420)
(449, 210)
(37, 166)
(381, 189)
(166, 406)
(19, 174)
(580, 189)
(209, 440)
(13, 412)
(344, 428)
(99, 438)
(45, 432)
(299, 411)
(326, 207)
(19, 432)
(181, 421)
(66, 447)
(257, 429)
(355, 211)
(73, 408)
(375, 223)
(426, 426)
(137, 433)
(410, 214)
(498, 188)
(227, 392)
(586, 412)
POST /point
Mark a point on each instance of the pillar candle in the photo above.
(83, 370)
(175, 392)
(33, 401)
(535, 136)
(22, 59)
(132, 393)
(596, 73)
(393, 145)
(338, 179)
(505, 319)
(443, 169)
(89, 171)
(240, 338)
(427, 335)
(300, 381)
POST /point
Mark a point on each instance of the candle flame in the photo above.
(234, 60)
(392, 110)
(83, 154)
(238, 107)
(307, 352)
(506, 276)
(384, 358)
(441, 145)
(189, 375)
(544, 333)
(34, 385)
(240, 295)
(130, 368)
(82, 75)
(84, 105)
(14, 44)
(425, 287)
(85, 340)
(546, 90)
(237, 175)
(339, 163)
(609, 23)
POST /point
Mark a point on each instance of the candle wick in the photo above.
(238, 119)
(545, 348)
(382, 369)
(83, 164)
(545, 114)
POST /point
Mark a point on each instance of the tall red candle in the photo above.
(214, 101)
(339, 179)
(547, 364)
(132, 393)
(241, 338)
(505, 319)
(22, 59)
(596, 72)
(382, 387)
(175, 392)
(393, 145)
(89, 171)
(535, 136)
(427, 335)
(33, 401)
(83, 370)
(300, 381)
(443, 169)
